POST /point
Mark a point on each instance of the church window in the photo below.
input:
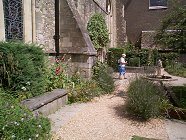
(157, 4)
(13, 15)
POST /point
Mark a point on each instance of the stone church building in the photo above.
(35, 21)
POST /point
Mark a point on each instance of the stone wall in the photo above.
(120, 23)
(114, 18)
(45, 24)
(2, 25)
(87, 8)
(147, 39)
(75, 41)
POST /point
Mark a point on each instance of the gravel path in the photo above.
(103, 119)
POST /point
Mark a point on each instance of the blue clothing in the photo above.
(122, 69)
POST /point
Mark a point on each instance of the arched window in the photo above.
(13, 17)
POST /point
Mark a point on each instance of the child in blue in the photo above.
(122, 69)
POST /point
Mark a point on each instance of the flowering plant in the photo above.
(58, 76)
(18, 123)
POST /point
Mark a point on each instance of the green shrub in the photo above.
(112, 57)
(17, 123)
(144, 99)
(141, 138)
(22, 69)
(84, 91)
(177, 69)
(134, 61)
(57, 76)
(98, 31)
(180, 93)
(168, 58)
(103, 77)
(134, 56)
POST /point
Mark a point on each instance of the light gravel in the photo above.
(104, 119)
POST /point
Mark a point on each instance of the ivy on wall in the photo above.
(98, 31)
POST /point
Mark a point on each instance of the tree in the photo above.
(98, 32)
(172, 34)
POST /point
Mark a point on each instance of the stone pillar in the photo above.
(27, 20)
(2, 25)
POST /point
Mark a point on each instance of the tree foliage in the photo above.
(172, 34)
(98, 32)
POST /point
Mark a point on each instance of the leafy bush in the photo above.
(79, 89)
(22, 69)
(84, 91)
(113, 55)
(134, 56)
(134, 62)
(180, 93)
(144, 99)
(103, 77)
(168, 58)
(98, 32)
(177, 69)
(17, 123)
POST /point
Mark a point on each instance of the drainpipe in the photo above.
(57, 35)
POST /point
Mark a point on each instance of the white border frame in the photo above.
(157, 7)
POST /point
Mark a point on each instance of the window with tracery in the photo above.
(13, 15)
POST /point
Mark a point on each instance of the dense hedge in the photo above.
(22, 69)
(140, 57)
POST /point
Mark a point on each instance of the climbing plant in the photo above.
(98, 31)
(172, 34)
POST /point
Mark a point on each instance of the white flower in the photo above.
(12, 106)
(39, 126)
(23, 88)
(29, 139)
(15, 123)
(13, 136)
(37, 135)
(28, 83)
(22, 119)
(69, 59)
(3, 128)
